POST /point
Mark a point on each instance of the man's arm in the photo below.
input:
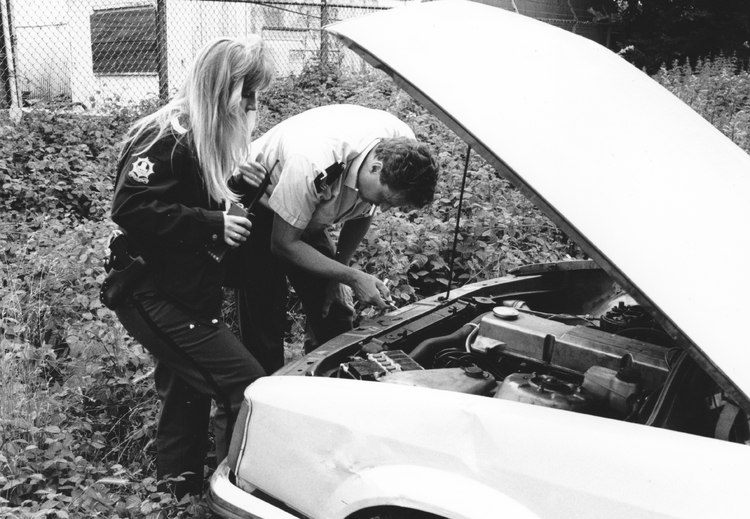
(351, 235)
(287, 244)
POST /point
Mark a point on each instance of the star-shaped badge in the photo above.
(141, 170)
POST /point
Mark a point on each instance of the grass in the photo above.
(77, 405)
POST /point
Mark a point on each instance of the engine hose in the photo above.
(426, 350)
(472, 335)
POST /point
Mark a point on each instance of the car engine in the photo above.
(561, 336)
(515, 353)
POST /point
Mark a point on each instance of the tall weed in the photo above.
(716, 88)
(77, 406)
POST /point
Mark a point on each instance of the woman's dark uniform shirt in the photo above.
(163, 206)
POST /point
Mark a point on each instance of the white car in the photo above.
(612, 388)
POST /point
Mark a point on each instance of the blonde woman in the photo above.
(170, 200)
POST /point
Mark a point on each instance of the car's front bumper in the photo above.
(231, 502)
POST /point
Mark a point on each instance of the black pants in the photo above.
(195, 363)
(261, 300)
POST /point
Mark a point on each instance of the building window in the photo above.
(123, 41)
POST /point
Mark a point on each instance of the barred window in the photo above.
(124, 40)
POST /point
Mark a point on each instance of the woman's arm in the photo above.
(160, 204)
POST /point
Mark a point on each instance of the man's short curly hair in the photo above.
(408, 169)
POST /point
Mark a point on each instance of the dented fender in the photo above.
(421, 488)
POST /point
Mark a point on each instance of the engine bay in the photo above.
(618, 365)
(513, 354)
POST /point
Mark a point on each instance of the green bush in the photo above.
(78, 409)
(718, 89)
(60, 164)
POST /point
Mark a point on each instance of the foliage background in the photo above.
(77, 406)
(654, 32)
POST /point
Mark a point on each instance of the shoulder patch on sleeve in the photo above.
(141, 170)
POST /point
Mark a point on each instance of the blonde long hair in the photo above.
(208, 106)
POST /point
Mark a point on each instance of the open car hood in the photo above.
(649, 189)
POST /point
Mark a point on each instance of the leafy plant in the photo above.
(655, 32)
(718, 89)
(77, 406)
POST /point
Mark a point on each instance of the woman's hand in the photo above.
(236, 229)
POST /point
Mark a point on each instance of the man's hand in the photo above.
(370, 291)
(287, 244)
(252, 173)
(236, 229)
(337, 292)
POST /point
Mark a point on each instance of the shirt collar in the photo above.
(352, 171)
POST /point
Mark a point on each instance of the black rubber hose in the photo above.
(426, 350)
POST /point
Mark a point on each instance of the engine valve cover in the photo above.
(574, 348)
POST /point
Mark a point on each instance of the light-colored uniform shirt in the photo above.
(309, 143)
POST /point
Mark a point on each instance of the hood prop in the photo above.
(458, 221)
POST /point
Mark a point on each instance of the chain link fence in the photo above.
(103, 51)
(96, 52)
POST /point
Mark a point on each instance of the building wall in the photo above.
(54, 50)
(42, 37)
(191, 24)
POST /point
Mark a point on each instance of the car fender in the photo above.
(439, 492)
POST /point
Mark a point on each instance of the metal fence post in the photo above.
(162, 66)
(323, 35)
(10, 66)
